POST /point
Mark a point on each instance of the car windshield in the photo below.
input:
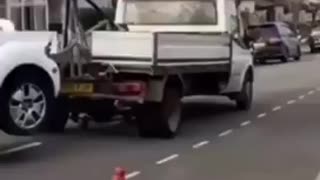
(263, 32)
(171, 12)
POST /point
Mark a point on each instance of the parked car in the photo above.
(29, 80)
(274, 40)
(314, 40)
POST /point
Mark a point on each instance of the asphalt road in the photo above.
(277, 139)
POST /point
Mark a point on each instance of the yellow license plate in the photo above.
(77, 88)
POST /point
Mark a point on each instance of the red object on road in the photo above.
(120, 174)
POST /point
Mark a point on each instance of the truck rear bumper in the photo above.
(129, 91)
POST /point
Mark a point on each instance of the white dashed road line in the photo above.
(21, 148)
(291, 102)
(133, 174)
(200, 144)
(277, 108)
(311, 92)
(246, 123)
(301, 97)
(225, 133)
(262, 115)
(167, 159)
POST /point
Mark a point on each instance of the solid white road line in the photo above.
(277, 108)
(133, 174)
(291, 102)
(318, 177)
(200, 144)
(225, 133)
(21, 148)
(262, 115)
(301, 97)
(310, 92)
(246, 123)
(167, 159)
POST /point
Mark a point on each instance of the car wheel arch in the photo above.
(29, 67)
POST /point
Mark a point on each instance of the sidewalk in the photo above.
(10, 144)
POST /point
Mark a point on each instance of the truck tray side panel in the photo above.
(185, 48)
(122, 47)
(163, 52)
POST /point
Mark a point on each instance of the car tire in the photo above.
(263, 61)
(60, 116)
(286, 55)
(298, 57)
(245, 97)
(26, 104)
(256, 61)
(285, 59)
(162, 120)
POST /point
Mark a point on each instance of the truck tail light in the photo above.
(130, 88)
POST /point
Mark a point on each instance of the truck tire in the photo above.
(60, 116)
(163, 119)
(26, 103)
(244, 98)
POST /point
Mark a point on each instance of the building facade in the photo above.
(39, 14)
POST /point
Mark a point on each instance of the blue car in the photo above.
(274, 40)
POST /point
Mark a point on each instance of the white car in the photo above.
(29, 80)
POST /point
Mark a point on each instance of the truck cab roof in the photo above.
(182, 16)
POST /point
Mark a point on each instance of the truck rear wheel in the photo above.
(161, 119)
(244, 98)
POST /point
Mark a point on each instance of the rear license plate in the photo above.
(77, 88)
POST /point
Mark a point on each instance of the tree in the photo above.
(313, 7)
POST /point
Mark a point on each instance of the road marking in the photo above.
(21, 148)
(133, 174)
(291, 102)
(200, 144)
(318, 177)
(276, 108)
(301, 97)
(167, 159)
(310, 92)
(246, 123)
(225, 133)
(262, 115)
